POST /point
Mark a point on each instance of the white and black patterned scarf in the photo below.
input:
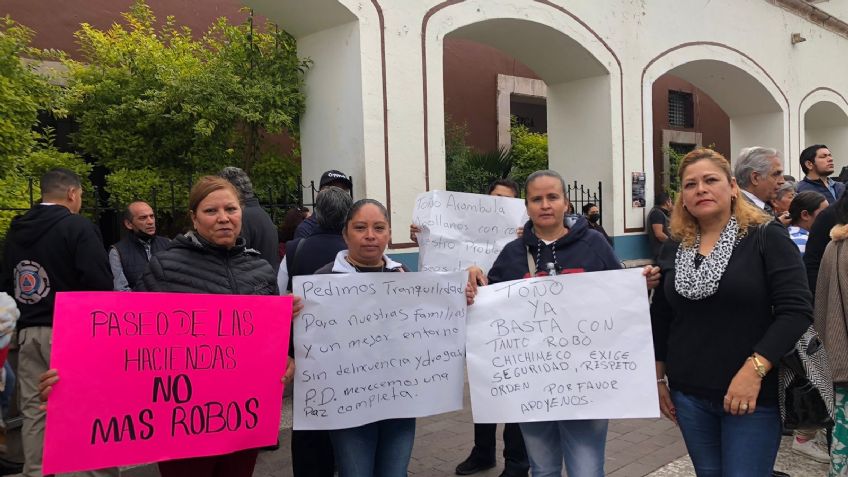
(697, 283)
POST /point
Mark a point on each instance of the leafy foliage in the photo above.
(155, 106)
(471, 171)
(23, 92)
(159, 101)
(278, 173)
(529, 150)
(674, 160)
(25, 152)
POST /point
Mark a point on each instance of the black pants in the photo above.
(312, 454)
(514, 452)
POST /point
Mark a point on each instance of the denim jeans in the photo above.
(580, 443)
(378, 449)
(723, 445)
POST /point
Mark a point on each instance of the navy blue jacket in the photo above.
(306, 228)
(260, 232)
(817, 186)
(319, 249)
(580, 250)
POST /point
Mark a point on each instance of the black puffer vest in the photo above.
(134, 257)
(193, 265)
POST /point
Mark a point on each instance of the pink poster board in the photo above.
(146, 377)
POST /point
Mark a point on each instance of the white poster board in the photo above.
(575, 346)
(459, 229)
(374, 346)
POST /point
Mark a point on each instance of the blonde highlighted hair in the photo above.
(684, 227)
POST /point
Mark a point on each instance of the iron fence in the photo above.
(579, 195)
(172, 212)
(170, 205)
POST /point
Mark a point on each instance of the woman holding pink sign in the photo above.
(212, 258)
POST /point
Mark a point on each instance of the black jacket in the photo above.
(817, 242)
(317, 250)
(193, 265)
(580, 250)
(259, 231)
(306, 228)
(51, 250)
(762, 304)
(131, 251)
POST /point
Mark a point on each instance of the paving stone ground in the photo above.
(635, 448)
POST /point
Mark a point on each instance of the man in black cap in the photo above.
(328, 179)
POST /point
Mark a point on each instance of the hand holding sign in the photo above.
(554, 348)
(458, 230)
(374, 346)
(199, 375)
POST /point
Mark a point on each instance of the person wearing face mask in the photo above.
(593, 215)
(129, 257)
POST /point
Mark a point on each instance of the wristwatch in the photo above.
(759, 367)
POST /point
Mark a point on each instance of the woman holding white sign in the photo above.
(382, 448)
(730, 307)
(551, 245)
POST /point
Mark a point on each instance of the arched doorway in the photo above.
(582, 78)
(756, 108)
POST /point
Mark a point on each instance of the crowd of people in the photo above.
(747, 259)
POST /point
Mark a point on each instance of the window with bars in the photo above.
(681, 109)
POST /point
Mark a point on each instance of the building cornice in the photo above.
(813, 14)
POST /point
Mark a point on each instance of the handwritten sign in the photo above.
(566, 347)
(373, 346)
(460, 230)
(147, 377)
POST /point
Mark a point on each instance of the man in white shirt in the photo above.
(759, 174)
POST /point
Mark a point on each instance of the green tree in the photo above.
(529, 150)
(674, 160)
(26, 152)
(160, 101)
(23, 93)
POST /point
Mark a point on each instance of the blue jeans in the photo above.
(378, 449)
(724, 445)
(580, 443)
